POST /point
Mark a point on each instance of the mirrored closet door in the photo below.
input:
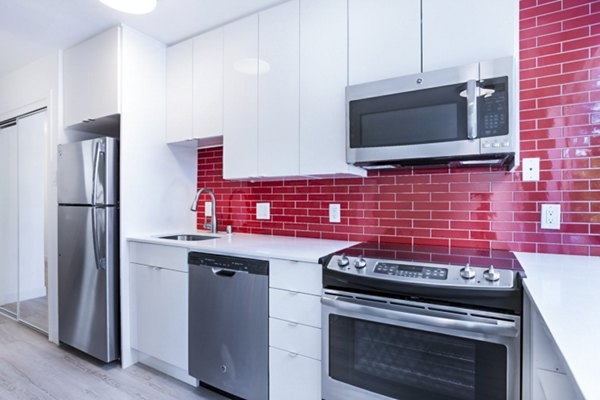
(23, 205)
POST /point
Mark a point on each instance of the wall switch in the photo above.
(531, 169)
(207, 209)
(263, 210)
(335, 213)
(550, 216)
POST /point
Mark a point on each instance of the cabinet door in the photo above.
(159, 310)
(278, 92)
(384, 39)
(323, 80)
(208, 84)
(293, 377)
(179, 92)
(92, 78)
(240, 123)
(466, 31)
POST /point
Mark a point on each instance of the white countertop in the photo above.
(261, 246)
(566, 291)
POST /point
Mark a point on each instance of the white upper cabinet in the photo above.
(384, 39)
(208, 84)
(465, 31)
(195, 89)
(323, 80)
(180, 92)
(240, 106)
(278, 92)
(92, 78)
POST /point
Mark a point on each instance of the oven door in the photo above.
(377, 348)
(429, 115)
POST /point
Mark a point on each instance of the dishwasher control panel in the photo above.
(232, 263)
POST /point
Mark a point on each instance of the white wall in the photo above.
(157, 181)
(31, 87)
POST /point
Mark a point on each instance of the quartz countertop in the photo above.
(566, 291)
(250, 245)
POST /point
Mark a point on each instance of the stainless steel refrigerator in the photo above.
(88, 247)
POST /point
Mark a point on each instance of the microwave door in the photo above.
(429, 123)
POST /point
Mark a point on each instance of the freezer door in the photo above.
(88, 172)
(88, 280)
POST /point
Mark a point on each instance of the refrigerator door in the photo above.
(87, 172)
(87, 280)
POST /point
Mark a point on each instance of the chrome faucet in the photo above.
(213, 221)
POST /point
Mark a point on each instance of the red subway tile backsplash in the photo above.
(475, 208)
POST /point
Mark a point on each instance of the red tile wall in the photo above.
(483, 208)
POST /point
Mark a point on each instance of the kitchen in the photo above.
(316, 232)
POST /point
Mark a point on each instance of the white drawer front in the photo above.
(156, 255)
(293, 377)
(296, 276)
(295, 338)
(295, 307)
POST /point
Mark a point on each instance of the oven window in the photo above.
(419, 117)
(410, 364)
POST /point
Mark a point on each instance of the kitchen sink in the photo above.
(188, 238)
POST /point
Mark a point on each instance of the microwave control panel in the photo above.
(492, 106)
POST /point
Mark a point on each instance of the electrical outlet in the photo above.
(550, 216)
(531, 169)
(207, 209)
(263, 210)
(335, 213)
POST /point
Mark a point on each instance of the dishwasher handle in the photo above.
(223, 272)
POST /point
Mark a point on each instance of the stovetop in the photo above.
(470, 276)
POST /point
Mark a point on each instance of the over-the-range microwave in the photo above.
(462, 116)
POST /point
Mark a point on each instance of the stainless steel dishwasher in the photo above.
(229, 324)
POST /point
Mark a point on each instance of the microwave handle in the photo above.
(472, 109)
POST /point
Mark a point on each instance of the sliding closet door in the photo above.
(9, 220)
(33, 304)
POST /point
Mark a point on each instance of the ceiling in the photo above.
(31, 29)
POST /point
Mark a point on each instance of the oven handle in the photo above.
(472, 109)
(494, 326)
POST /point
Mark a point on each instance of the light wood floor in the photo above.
(33, 368)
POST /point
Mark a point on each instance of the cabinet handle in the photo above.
(292, 292)
(292, 323)
(291, 354)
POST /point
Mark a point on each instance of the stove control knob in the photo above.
(360, 263)
(343, 261)
(467, 272)
(491, 274)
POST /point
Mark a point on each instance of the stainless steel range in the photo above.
(414, 323)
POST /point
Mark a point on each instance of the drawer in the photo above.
(293, 377)
(296, 276)
(295, 307)
(156, 255)
(295, 338)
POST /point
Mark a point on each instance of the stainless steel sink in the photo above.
(188, 238)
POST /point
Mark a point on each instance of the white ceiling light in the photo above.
(131, 6)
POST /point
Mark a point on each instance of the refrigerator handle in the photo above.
(95, 176)
(99, 263)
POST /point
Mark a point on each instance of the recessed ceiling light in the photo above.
(131, 6)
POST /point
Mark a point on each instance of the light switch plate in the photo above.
(550, 216)
(335, 213)
(208, 209)
(263, 210)
(531, 169)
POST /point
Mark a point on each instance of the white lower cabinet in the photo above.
(545, 373)
(294, 330)
(293, 376)
(159, 301)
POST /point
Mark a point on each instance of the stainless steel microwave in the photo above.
(462, 116)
